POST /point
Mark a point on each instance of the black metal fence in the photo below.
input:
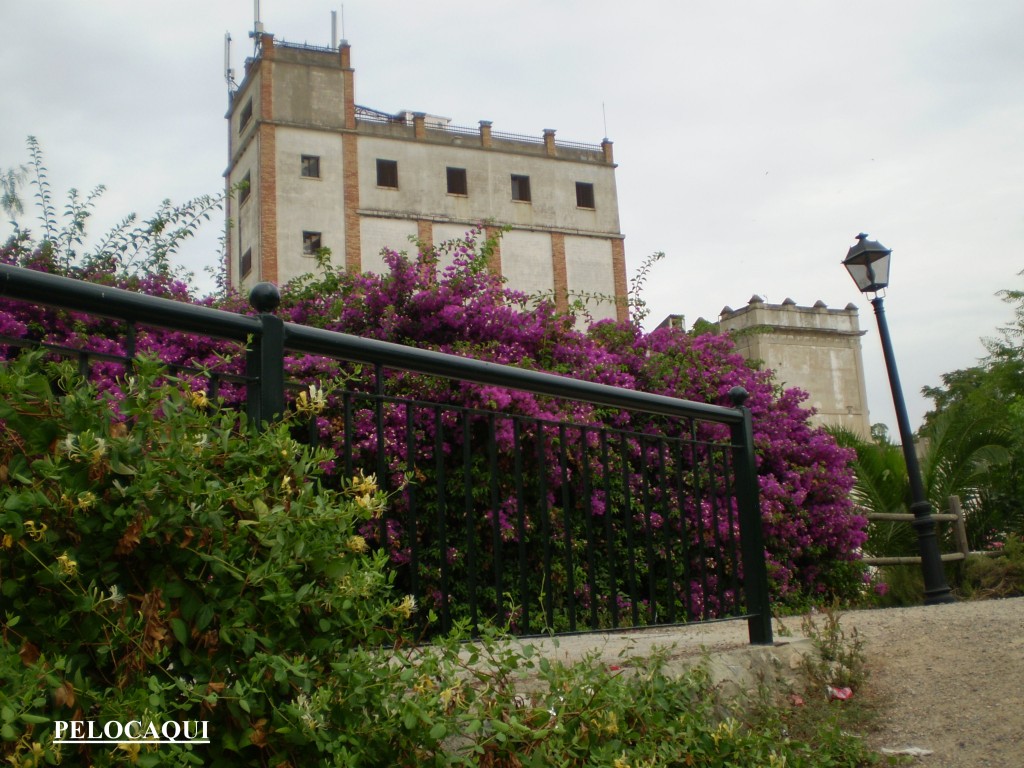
(546, 525)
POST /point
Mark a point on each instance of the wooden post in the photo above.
(959, 528)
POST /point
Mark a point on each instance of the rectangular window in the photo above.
(521, 188)
(246, 116)
(311, 166)
(245, 187)
(310, 243)
(245, 264)
(387, 173)
(457, 181)
(584, 195)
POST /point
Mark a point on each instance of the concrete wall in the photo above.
(588, 266)
(422, 186)
(530, 269)
(816, 349)
(308, 204)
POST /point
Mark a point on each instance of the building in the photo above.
(816, 349)
(319, 171)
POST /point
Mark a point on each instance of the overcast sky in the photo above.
(754, 139)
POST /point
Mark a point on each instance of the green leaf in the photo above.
(438, 732)
(180, 630)
(33, 719)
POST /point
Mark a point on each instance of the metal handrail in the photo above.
(267, 338)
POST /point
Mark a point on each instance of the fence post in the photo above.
(755, 571)
(264, 359)
(959, 527)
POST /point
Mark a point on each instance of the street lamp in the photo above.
(868, 265)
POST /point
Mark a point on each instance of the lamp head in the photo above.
(868, 264)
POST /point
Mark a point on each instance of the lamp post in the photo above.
(868, 265)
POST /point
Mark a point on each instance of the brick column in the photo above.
(619, 276)
(419, 125)
(350, 183)
(494, 260)
(425, 232)
(549, 141)
(350, 164)
(485, 134)
(558, 271)
(267, 187)
(348, 76)
(606, 146)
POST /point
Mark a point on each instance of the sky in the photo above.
(754, 139)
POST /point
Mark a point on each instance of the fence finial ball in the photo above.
(738, 396)
(264, 297)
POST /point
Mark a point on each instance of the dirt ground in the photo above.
(951, 678)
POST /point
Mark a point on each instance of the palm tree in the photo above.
(957, 458)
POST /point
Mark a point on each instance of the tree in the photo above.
(985, 403)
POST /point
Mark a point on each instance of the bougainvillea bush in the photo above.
(812, 535)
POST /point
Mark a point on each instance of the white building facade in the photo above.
(816, 349)
(318, 171)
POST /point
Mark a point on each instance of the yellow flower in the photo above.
(86, 499)
(407, 607)
(8, 541)
(67, 566)
(424, 685)
(312, 401)
(363, 485)
(453, 696)
(132, 750)
(35, 533)
(620, 762)
(357, 545)
(198, 399)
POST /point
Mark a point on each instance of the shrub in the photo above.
(812, 534)
(160, 561)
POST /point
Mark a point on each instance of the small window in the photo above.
(521, 188)
(246, 116)
(246, 262)
(584, 195)
(311, 166)
(387, 173)
(457, 181)
(245, 188)
(310, 243)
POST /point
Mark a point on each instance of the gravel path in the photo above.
(952, 679)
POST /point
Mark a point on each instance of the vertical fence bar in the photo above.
(492, 473)
(264, 360)
(588, 518)
(570, 570)
(684, 527)
(468, 519)
(652, 586)
(627, 520)
(755, 572)
(545, 526)
(442, 519)
(609, 533)
(517, 450)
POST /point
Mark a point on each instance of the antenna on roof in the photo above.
(229, 73)
(604, 116)
(334, 30)
(257, 27)
(343, 22)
